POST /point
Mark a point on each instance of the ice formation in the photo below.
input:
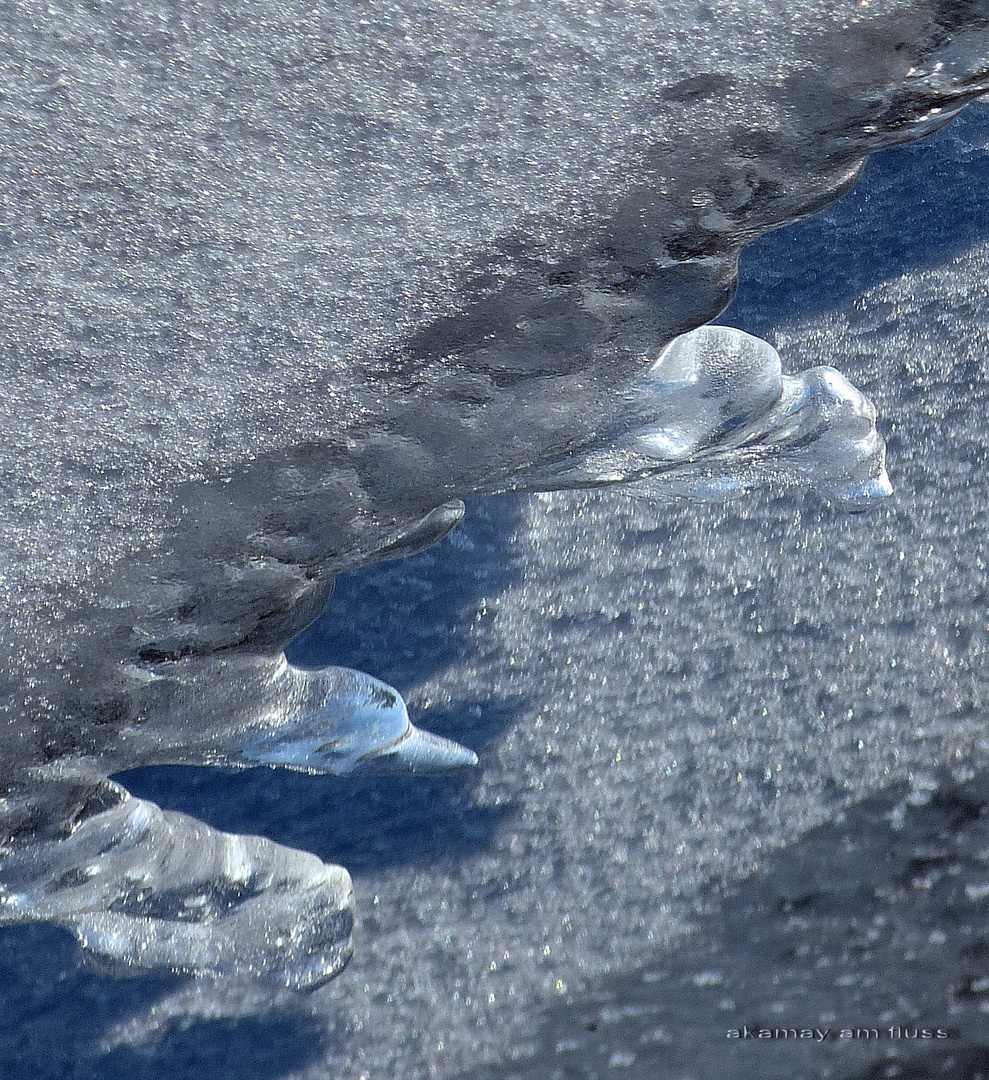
(142, 887)
(714, 416)
(339, 721)
(281, 285)
(148, 888)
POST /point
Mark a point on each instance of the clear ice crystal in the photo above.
(339, 721)
(146, 888)
(714, 416)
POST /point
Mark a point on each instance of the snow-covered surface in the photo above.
(732, 759)
(280, 280)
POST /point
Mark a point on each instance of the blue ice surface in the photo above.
(913, 208)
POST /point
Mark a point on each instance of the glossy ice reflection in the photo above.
(341, 721)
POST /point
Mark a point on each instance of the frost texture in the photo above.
(281, 285)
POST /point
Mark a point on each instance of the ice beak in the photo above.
(859, 498)
(416, 751)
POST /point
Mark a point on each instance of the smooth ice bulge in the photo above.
(715, 416)
(738, 419)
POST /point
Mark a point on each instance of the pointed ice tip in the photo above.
(417, 752)
(861, 497)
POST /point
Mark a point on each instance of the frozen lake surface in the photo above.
(733, 763)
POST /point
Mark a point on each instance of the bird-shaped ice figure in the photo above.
(341, 721)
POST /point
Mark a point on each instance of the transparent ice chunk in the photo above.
(714, 416)
(340, 721)
(146, 888)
